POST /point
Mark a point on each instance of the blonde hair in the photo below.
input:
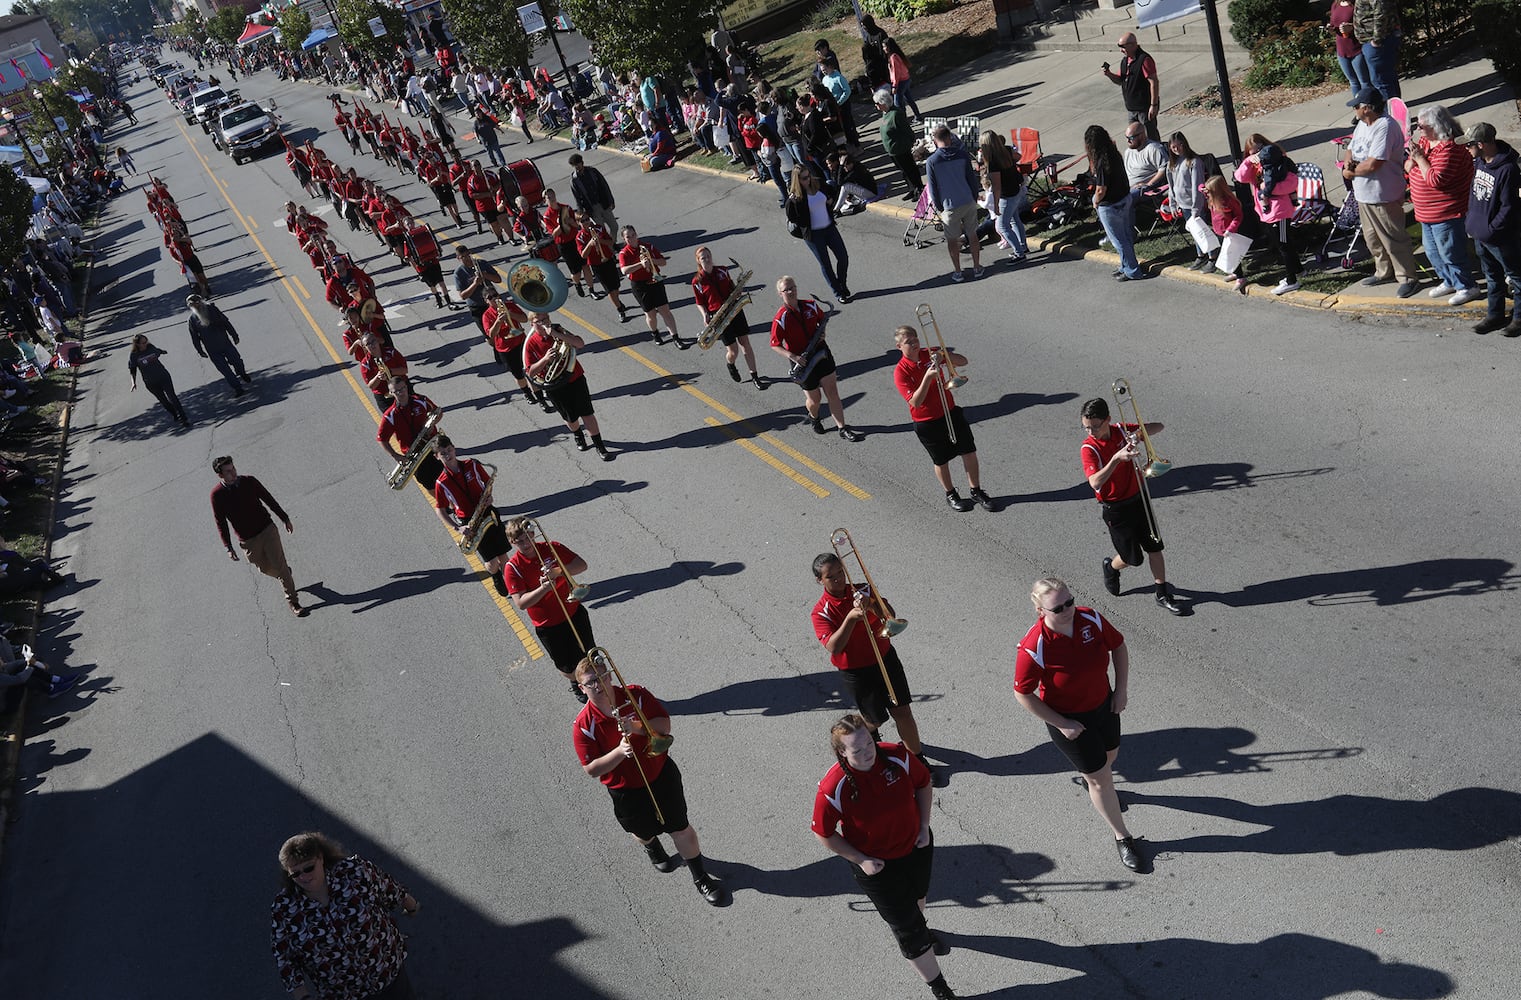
(1045, 585)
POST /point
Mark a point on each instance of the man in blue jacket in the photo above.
(953, 191)
(1495, 224)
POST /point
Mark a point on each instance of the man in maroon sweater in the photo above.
(242, 500)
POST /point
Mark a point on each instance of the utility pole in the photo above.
(1227, 106)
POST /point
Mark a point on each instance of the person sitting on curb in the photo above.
(26, 669)
(1494, 222)
(953, 187)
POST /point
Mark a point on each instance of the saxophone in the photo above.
(422, 446)
(719, 321)
(470, 534)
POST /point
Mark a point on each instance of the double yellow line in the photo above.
(519, 627)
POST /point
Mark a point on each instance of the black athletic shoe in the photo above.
(734, 373)
(655, 851)
(1111, 577)
(761, 382)
(1489, 325)
(1129, 856)
(709, 889)
(1165, 599)
(983, 500)
(958, 503)
(818, 425)
(581, 443)
(852, 436)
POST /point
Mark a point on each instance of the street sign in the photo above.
(377, 27)
(532, 18)
(1150, 12)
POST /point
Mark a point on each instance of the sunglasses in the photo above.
(1061, 607)
(306, 869)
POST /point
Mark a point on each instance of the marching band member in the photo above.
(792, 335)
(1061, 676)
(482, 189)
(848, 626)
(402, 421)
(648, 291)
(711, 288)
(538, 588)
(595, 244)
(613, 746)
(459, 176)
(504, 326)
(432, 172)
(177, 239)
(919, 379)
(571, 396)
(560, 224)
(1109, 463)
(458, 491)
(873, 810)
(378, 364)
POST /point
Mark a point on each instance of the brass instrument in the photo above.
(844, 545)
(647, 261)
(557, 371)
(813, 353)
(422, 446)
(941, 369)
(602, 662)
(720, 320)
(578, 591)
(537, 285)
(1151, 465)
(470, 534)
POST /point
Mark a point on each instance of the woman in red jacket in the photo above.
(1440, 173)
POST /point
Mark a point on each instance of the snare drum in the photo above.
(530, 184)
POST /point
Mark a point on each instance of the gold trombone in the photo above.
(602, 665)
(844, 545)
(578, 591)
(954, 379)
(1151, 465)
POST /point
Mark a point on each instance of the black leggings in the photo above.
(164, 393)
(1282, 238)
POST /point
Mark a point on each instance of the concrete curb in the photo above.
(13, 730)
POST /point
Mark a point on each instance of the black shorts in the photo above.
(650, 295)
(445, 195)
(896, 890)
(738, 327)
(572, 400)
(493, 541)
(607, 275)
(193, 264)
(867, 688)
(1101, 733)
(559, 641)
(936, 438)
(303, 174)
(512, 360)
(431, 272)
(571, 258)
(636, 813)
(1128, 531)
(489, 214)
(428, 471)
(822, 370)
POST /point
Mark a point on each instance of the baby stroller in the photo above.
(924, 217)
(1345, 236)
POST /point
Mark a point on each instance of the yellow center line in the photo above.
(302, 288)
(733, 417)
(519, 627)
(770, 459)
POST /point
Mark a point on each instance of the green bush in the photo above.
(1299, 55)
(1498, 23)
(828, 13)
(1254, 20)
(903, 10)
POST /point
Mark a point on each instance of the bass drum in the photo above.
(424, 247)
(530, 185)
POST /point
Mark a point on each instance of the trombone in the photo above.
(1151, 465)
(655, 744)
(578, 591)
(844, 545)
(941, 368)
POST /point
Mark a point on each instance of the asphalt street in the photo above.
(1320, 758)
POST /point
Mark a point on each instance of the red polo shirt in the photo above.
(596, 734)
(907, 377)
(711, 291)
(794, 328)
(882, 821)
(1071, 674)
(829, 614)
(525, 572)
(1122, 485)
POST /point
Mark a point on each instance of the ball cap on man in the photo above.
(1482, 132)
(1369, 96)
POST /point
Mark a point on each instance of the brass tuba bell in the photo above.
(537, 285)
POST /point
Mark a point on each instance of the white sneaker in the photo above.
(1443, 289)
(1465, 295)
(1285, 286)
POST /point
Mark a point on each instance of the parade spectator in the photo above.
(213, 336)
(953, 191)
(1373, 166)
(1376, 25)
(1139, 84)
(873, 57)
(898, 140)
(1494, 222)
(1112, 199)
(811, 211)
(26, 670)
(20, 575)
(1273, 178)
(591, 193)
(899, 77)
(144, 359)
(1145, 159)
(1007, 185)
(1349, 52)
(1186, 175)
(1440, 174)
(662, 149)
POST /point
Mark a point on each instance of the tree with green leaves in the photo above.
(192, 25)
(227, 24)
(15, 214)
(354, 25)
(491, 32)
(651, 36)
(294, 24)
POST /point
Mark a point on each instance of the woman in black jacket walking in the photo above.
(144, 360)
(811, 210)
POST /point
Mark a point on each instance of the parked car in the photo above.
(244, 130)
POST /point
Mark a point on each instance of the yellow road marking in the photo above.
(730, 415)
(771, 460)
(251, 222)
(519, 627)
(300, 287)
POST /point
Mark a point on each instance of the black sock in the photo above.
(696, 867)
(597, 442)
(938, 981)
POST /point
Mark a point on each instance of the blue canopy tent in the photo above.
(318, 36)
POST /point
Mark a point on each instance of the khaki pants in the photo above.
(267, 555)
(1384, 229)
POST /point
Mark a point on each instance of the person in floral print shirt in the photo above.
(331, 928)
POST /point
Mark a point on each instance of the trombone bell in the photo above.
(957, 382)
(579, 592)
